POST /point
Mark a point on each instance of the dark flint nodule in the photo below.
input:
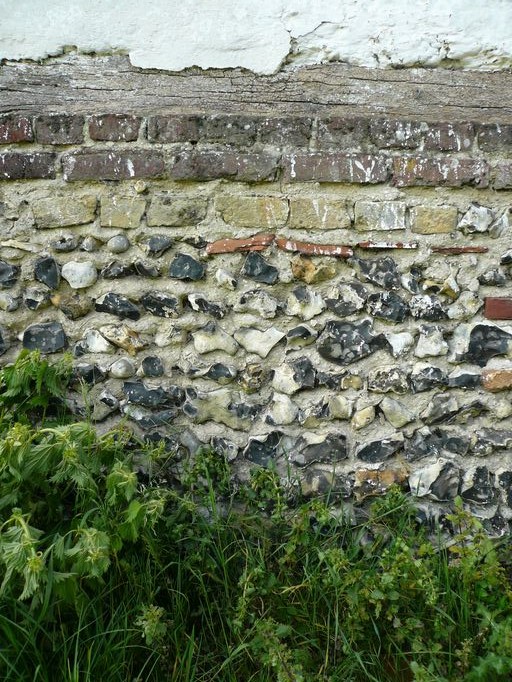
(257, 268)
(344, 342)
(91, 374)
(47, 272)
(156, 245)
(152, 366)
(485, 342)
(4, 341)
(428, 378)
(352, 298)
(482, 491)
(426, 307)
(381, 271)
(261, 451)
(221, 373)
(200, 304)
(379, 450)
(332, 449)
(186, 268)
(8, 274)
(48, 337)
(161, 304)
(387, 306)
(118, 305)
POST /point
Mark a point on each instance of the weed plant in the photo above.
(109, 575)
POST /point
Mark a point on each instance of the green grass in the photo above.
(109, 576)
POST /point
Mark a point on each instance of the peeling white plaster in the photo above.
(264, 35)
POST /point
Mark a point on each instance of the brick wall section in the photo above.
(330, 294)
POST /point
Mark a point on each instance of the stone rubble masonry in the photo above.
(328, 294)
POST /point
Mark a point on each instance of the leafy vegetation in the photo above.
(108, 574)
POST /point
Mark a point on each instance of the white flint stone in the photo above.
(363, 417)
(282, 411)
(400, 343)
(311, 306)
(465, 307)
(122, 369)
(431, 343)
(283, 380)
(340, 407)
(395, 412)
(500, 226)
(258, 342)
(79, 275)
(476, 219)
(421, 480)
(209, 339)
(225, 279)
(94, 342)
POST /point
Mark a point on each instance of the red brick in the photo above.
(310, 249)
(389, 133)
(257, 243)
(411, 171)
(387, 245)
(495, 380)
(498, 308)
(449, 137)
(286, 132)
(174, 128)
(114, 127)
(112, 165)
(494, 137)
(501, 175)
(348, 168)
(459, 250)
(343, 133)
(207, 164)
(17, 166)
(15, 129)
(59, 129)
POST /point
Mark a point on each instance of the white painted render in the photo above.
(264, 35)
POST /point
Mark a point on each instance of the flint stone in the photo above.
(123, 337)
(211, 338)
(89, 244)
(156, 245)
(340, 407)
(256, 267)
(345, 342)
(282, 410)
(225, 279)
(350, 299)
(73, 306)
(65, 243)
(380, 450)
(262, 450)
(79, 275)
(252, 377)
(118, 244)
(4, 341)
(476, 219)
(487, 440)
(122, 369)
(442, 409)
(48, 337)
(478, 486)
(93, 342)
(47, 272)
(186, 268)
(161, 304)
(8, 274)
(91, 374)
(426, 378)
(485, 341)
(387, 306)
(139, 394)
(330, 449)
(432, 443)
(493, 278)
(426, 307)
(465, 380)
(304, 303)
(222, 374)
(385, 379)
(200, 304)
(152, 366)
(381, 271)
(258, 302)
(465, 307)
(117, 304)
(399, 343)
(225, 447)
(148, 419)
(292, 377)
(363, 417)
(395, 412)
(255, 341)
(440, 481)
(8, 302)
(117, 270)
(301, 336)
(431, 342)
(35, 298)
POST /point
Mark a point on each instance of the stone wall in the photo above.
(327, 293)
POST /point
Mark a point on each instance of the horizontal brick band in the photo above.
(459, 250)
(310, 249)
(497, 308)
(112, 165)
(257, 243)
(17, 166)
